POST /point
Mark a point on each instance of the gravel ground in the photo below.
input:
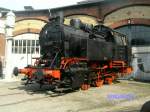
(123, 96)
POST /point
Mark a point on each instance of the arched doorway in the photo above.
(139, 38)
(25, 43)
(24, 48)
(137, 34)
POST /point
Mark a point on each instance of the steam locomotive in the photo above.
(78, 56)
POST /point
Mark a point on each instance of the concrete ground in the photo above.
(124, 96)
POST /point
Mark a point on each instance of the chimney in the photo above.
(28, 8)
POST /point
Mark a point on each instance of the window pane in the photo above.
(20, 42)
(12, 42)
(32, 50)
(20, 49)
(16, 42)
(33, 42)
(37, 42)
(24, 50)
(24, 42)
(28, 42)
(28, 49)
(15, 49)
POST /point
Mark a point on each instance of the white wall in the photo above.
(142, 53)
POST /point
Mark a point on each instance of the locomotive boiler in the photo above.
(78, 56)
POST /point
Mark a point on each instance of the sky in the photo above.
(36, 4)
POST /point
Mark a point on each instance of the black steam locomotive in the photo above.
(78, 56)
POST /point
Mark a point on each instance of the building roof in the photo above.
(79, 4)
(89, 1)
(84, 3)
(3, 9)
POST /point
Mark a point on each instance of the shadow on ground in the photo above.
(35, 89)
(45, 89)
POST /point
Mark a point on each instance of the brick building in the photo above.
(130, 17)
